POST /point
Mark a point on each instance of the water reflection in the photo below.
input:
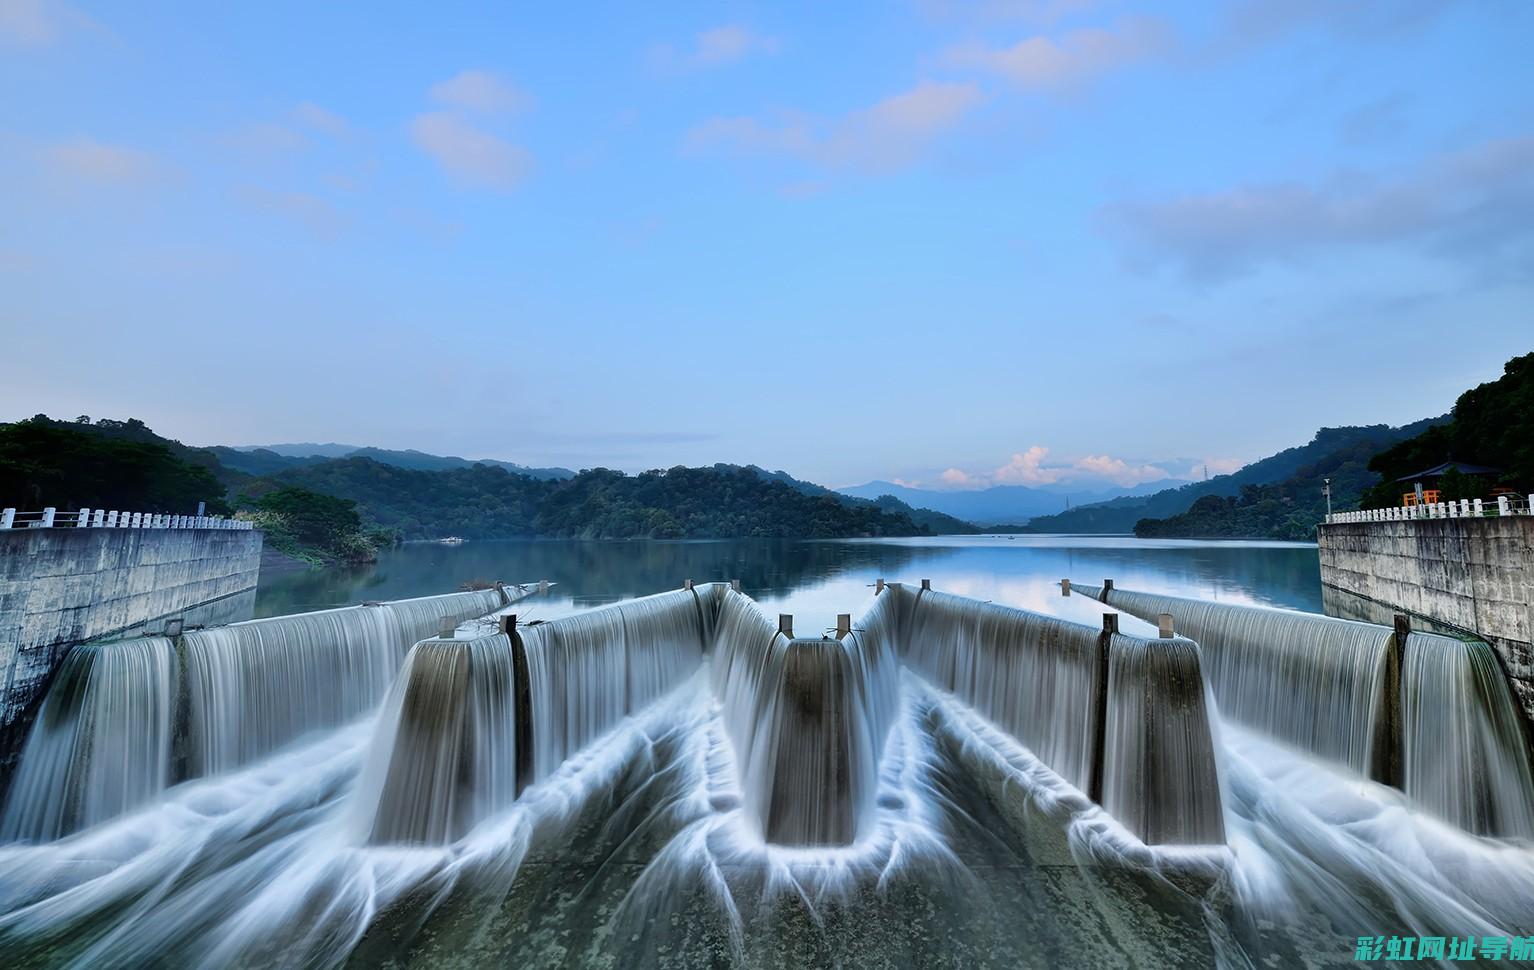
(815, 580)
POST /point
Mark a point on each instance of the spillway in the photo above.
(1432, 715)
(128, 719)
(808, 719)
(677, 779)
(1465, 754)
(455, 742)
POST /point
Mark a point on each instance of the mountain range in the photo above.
(1119, 515)
(999, 503)
(269, 459)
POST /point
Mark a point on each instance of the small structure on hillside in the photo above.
(1425, 484)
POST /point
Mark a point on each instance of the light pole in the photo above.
(1326, 489)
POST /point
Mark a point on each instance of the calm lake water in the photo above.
(815, 580)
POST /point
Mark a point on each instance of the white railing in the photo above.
(1465, 508)
(103, 519)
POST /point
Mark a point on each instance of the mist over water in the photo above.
(644, 835)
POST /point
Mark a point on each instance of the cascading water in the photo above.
(807, 719)
(1465, 756)
(125, 720)
(101, 744)
(257, 685)
(976, 854)
(1034, 676)
(1159, 776)
(588, 671)
(1314, 682)
(445, 752)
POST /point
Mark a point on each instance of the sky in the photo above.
(950, 243)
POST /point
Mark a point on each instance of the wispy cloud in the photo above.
(288, 134)
(312, 116)
(89, 161)
(461, 143)
(1039, 11)
(1251, 23)
(884, 137)
(1034, 468)
(480, 90)
(1376, 121)
(1474, 207)
(38, 23)
(714, 47)
(469, 154)
(1041, 63)
(310, 211)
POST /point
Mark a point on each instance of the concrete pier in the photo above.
(1472, 575)
(60, 587)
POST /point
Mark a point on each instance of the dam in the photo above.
(684, 779)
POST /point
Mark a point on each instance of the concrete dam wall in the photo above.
(63, 586)
(1474, 575)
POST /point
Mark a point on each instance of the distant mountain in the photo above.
(267, 459)
(304, 449)
(484, 502)
(1120, 515)
(936, 522)
(999, 503)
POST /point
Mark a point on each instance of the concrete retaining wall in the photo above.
(59, 587)
(1475, 575)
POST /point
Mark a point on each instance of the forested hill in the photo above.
(1491, 424)
(1288, 509)
(691, 503)
(124, 464)
(1121, 515)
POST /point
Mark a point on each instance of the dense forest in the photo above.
(330, 509)
(1288, 509)
(679, 503)
(1293, 470)
(1492, 424)
(107, 464)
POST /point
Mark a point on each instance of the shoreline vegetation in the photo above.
(322, 510)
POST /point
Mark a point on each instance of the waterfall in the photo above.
(445, 754)
(257, 685)
(1311, 681)
(126, 719)
(588, 671)
(1034, 676)
(1465, 756)
(807, 720)
(1159, 777)
(101, 744)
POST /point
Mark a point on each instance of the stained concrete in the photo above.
(1474, 575)
(60, 587)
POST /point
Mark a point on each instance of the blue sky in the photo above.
(951, 242)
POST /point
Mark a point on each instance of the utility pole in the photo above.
(1326, 490)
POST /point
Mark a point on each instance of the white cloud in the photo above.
(479, 90)
(1034, 468)
(38, 23)
(714, 47)
(469, 154)
(1034, 10)
(88, 160)
(312, 212)
(1474, 206)
(313, 116)
(884, 137)
(263, 138)
(1042, 63)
